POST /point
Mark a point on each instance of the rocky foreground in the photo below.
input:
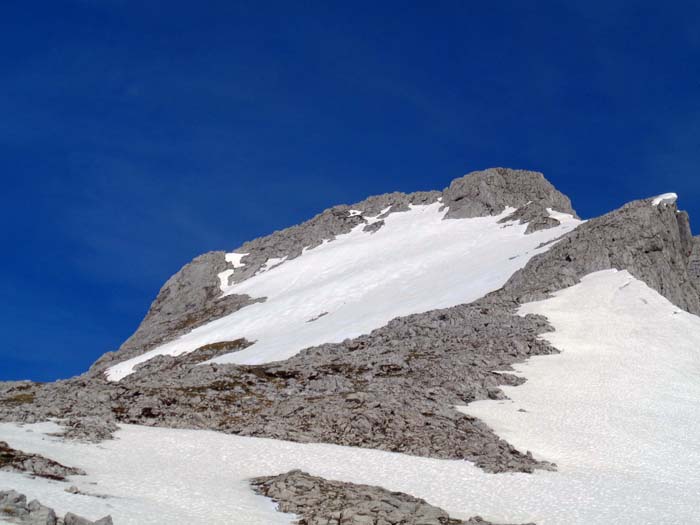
(15, 509)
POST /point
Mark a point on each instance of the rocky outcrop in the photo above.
(489, 192)
(18, 461)
(15, 509)
(193, 297)
(393, 389)
(188, 299)
(653, 243)
(318, 501)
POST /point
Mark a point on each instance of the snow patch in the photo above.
(665, 198)
(235, 260)
(272, 262)
(558, 215)
(416, 262)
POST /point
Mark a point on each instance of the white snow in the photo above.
(354, 213)
(665, 198)
(235, 260)
(416, 262)
(561, 217)
(618, 411)
(271, 263)
(223, 278)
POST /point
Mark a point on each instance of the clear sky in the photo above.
(135, 135)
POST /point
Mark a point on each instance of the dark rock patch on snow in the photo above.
(318, 501)
(15, 509)
(34, 464)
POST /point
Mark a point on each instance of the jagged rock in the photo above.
(652, 242)
(488, 192)
(15, 509)
(393, 389)
(318, 501)
(193, 296)
(187, 300)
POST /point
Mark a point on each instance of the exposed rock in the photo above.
(535, 215)
(90, 429)
(73, 519)
(652, 242)
(318, 501)
(188, 299)
(488, 192)
(18, 461)
(193, 296)
(15, 509)
(395, 388)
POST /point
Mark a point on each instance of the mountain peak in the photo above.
(490, 191)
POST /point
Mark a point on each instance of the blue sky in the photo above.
(135, 135)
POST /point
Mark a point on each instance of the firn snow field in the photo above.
(360, 281)
(618, 410)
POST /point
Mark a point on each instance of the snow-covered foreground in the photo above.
(618, 410)
(360, 281)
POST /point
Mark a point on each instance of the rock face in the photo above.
(489, 192)
(653, 243)
(393, 389)
(15, 509)
(187, 300)
(192, 296)
(321, 502)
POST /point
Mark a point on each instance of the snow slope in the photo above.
(416, 262)
(618, 410)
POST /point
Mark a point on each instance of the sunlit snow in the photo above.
(666, 198)
(618, 410)
(416, 262)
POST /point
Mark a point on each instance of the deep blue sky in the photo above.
(135, 135)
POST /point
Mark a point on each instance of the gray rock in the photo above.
(652, 242)
(14, 509)
(192, 296)
(73, 519)
(90, 429)
(18, 461)
(318, 501)
(40, 514)
(488, 192)
(187, 300)
(393, 389)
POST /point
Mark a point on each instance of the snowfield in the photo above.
(618, 410)
(416, 262)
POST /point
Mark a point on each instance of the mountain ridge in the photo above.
(395, 387)
(195, 286)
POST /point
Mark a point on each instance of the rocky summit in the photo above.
(332, 373)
